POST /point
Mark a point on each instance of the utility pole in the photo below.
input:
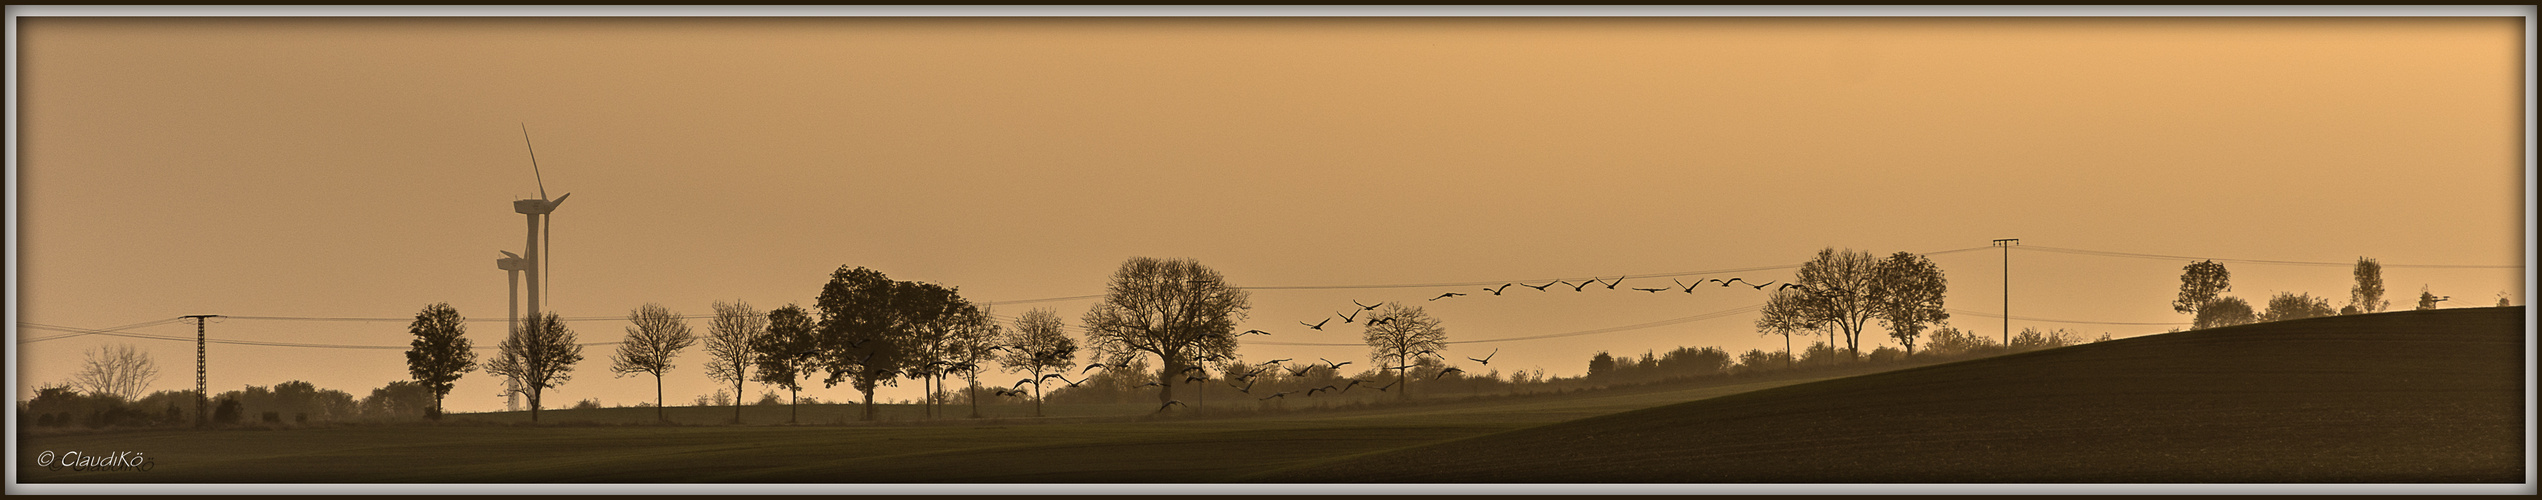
(202, 385)
(2007, 243)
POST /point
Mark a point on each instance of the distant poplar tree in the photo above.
(1397, 335)
(729, 340)
(542, 357)
(440, 352)
(654, 336)
(2368, 294)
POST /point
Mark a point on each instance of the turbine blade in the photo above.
(508, 253)
(560, 200)
(542, 179)
(546, 277)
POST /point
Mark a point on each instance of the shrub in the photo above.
(2224, 312)
(588, 404)
(2290, 306)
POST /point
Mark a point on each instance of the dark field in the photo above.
(2422, 396)
(2402, 397)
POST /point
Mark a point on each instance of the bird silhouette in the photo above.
(1446, 295)
(1689, 288)
(1311, 392)
(1301, 372)
(1319, 325)
(1486, 359)
(1388, 385)
(1741, 281)
(1338, 366)
(1580, 286)
(1652, 290)
(1618, 281)
(1443, 373)
(1247, 389)
(1353, 383)
(1496, 291)
(1761, 287)
(1365, 307)
(1354, 316)
(1171, 404)
(1788, 286)
(1274, 362)
(1253, 331)
(1380, 321)
(1404, 367)
(1151, 384)
(1540, 288)
(1275, 395)
(1020, 383)
(1090, 368)
(1194, 379)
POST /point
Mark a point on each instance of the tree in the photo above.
(974, 341)
(1397, 334)
(2427, 300)
(872, 327)
(2199, 284)
(440, 352)
(1039, 345)
(654, 336)
(2227, 311)
(542, 357)
(729, 341)
(788, 353)
(2368, 294)
(2287, 306)
(1601, 366)
(1787, 312)
(398, 400)
(1840, 298)
(120, 372)
(1177, 310)
(1907, 291)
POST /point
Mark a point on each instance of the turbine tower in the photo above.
(538, 211)
(512, 264)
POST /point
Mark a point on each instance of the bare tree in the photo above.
(1397, 334)
(788, 353)
(440, 352)
(2200, 283)
(1840, 294)
(542, 357)
(974, 342)
(1039, 345)
(1176, 309)
(1908, 293)
(2367, 296)
(728, 346)
(121, 372)
(1786, 313)
(654, 336)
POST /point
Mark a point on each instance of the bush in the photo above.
(588, 404)
(2224, 312)
(770, 399)
(2290, 306)
(227, 412)
(271, 417)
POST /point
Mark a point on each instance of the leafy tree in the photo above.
(120, 372)
(401, 399)
(2199, 285)
(1399, 333)
(1907, 291)
(440, 352)
(2368, 294)
(1787, 312)
(654, 336)
(2227, 311)
(2427, 300)
(1601, 366)
(542, 357)
(729, 346)
(788, 353)
(1176, 309)
(2286, 306)
(1841, 294)
(872, 327)
(1039, 345)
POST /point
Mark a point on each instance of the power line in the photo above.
(2049, 320)
(2104, 253)
(262, 343)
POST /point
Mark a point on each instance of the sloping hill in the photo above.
(2421, 396)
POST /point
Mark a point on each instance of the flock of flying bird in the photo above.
(1352, 317)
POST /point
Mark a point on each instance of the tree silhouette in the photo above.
(1840, 285)
(871, 326)
(788, 353)
(542, 357)
(2288, 306)
(2368, 294)
(1397, 334)
(654, 336)
(1039, 345)
(440, 352)
(729, 341)
(2226, 311)
(2199, 285)
(1787, 312)
(1601, 366)
(975, 336)
(2427, 300)
(120, 372)
(1907, 291)
(1175, 309)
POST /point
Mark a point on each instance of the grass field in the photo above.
(2422, 396)
(2403, 397)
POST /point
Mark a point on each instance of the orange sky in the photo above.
(365, 167)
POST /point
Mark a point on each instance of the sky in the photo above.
(365, 168)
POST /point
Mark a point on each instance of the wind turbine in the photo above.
(538, 211)
(513, 265)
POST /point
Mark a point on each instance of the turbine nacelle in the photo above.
(539, 207)
(511, 262)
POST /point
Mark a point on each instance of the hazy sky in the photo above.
(364, 168)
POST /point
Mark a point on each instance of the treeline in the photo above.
(293, 403)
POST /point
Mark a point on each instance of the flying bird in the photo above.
(1578, 287)
(1354, 316)
(1020, 383)
(1788, 286)
(1652, 290)
(1618, 281)
(1761, 287)
(1274, 362)
(1253, 331)
(1301, 372)
(1381, 321)
(1319, 325)
(1443, 373)
(1353, 383)
(1194, 379)
(1540, 288)
(1496, 291)
(1446, 295)
(1365, 307)
(1740, 280)
(1171, 404)
(1090, 368)
(1486, 359)
(1275, 395)
(1388, 385)
(1689, 288)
